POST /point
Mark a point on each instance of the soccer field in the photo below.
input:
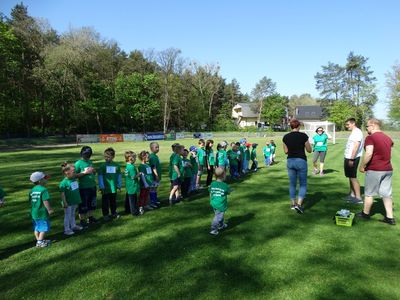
(267, 252)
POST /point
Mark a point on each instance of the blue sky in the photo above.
(287, 41)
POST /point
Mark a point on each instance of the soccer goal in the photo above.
(329, 128)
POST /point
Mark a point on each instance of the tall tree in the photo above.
(330, 82)
(274, 110)
(393, 85)
(264, 88)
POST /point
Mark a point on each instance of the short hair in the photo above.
(128, 154)
(201, 141)
(174, 145)
(86, 150)
(294, 123)
(219, 172)
(65, 166)
(375, 122)
(110, 151)
(142, 154)
(351, 120)
(186, 150)
(152, 144)
(316, 130)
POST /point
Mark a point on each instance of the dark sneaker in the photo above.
(299, 209)
(223, 226)
(214, 232)
(84, 224)
(390, 221)
(293, 207)
(106, 218)
(93, 220)
(363, 215)
(116, 216)
(355, 200)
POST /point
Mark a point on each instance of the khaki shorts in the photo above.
(378, 183)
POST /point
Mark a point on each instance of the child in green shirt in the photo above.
(201, 155)
(210, 161)
(222, 158)
(70, 198)
(132, 184)
(155, 164)
(187, 173)
(253, 157)
(219, 191)
(146, 181)
(233, 157)
(267, 154)
(272, 145)
(110, 181)
(40, 208)
(176, 174)
(195, 168)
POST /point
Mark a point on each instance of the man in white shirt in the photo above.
(352, 155)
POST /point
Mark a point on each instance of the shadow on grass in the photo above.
(237, 220)
(327, 171)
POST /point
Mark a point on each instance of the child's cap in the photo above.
(248, 144)
(224, 144)
(254, 145)
(193, 149)
(242, 141)
(37, 176)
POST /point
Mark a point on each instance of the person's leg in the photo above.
(128, 208)
(67, 218)
(292, 173)
(302, 173)
(83, 206)
(172, 193)
(385, 190)
(92, 205)
(72, 221)
(315, 161)
(105, 204)
(355, 187)
(321, 162)
(368, 201)
(388, 203)
(218, 217)
(113, 204)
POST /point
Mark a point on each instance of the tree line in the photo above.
(79, 82)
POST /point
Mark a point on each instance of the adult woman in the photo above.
(294, 144)
(320, 148)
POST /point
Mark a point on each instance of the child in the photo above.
(87, 186)
(175, 174)
(201, 155)
(195, 168)
(2, 195)
(272, 145)
(242, 149)
(267, 154)
(218, 200)
(155, 165)
(210, 162)
(246, 157)
(253, 157)
(40, 208)
(70, 198)
(146, 176)
(233, 158)
(187, 173)
(110, 180)
(222, 158)
(131, 184)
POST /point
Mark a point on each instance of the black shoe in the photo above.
(363, 215)
(93, 220)
(84, 224)
(299, 209)
(390, 221)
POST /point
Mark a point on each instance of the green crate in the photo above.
(344, 221)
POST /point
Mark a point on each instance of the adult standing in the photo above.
(352, 155)
(294, 144)
(376, 163)
(320, 149)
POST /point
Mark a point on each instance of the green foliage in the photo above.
(274, 108)
(393, 84)
(339, 112)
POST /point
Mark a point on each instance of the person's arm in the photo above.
(48, 207)
(101, 182)
(285, 148)
(88, 170)
(353, 153)
(64, 200)
(119, 181)
(308, 146)
(369, 150)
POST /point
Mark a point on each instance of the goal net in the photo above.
(311, 126)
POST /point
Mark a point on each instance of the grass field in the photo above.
(268, 251)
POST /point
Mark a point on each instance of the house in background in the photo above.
(245, 114)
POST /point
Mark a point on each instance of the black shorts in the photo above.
(88, 197)
(176, 182)
(351, 172)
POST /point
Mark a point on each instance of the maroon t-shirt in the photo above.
(381, 155)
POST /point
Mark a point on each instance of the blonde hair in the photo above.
(376, 122)
(128, 154)
(219, 172)
(143, 154)
(65, 166)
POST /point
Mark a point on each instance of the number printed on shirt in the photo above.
(74, 185)
(111, 169)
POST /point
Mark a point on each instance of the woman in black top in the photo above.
(294, 144)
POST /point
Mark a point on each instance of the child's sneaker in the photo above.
(321, 173)
(223, 226)
(214, 232)
(293, 207)
(315, 171)
(42, 244)
(69, 232)
(77, 228)
(148, 207)
(116, 216)
(84, 224)
(141, 210)
(106, 218)
(93, 220)
(299, 209)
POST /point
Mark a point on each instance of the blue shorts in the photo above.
(41, 225)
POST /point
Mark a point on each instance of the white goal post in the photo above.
(329, 128)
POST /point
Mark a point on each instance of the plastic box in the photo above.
(344, 221)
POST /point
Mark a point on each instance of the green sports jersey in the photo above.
(176, 160)
(37, 196)
(147, 178)
(131, 183)
(194, 162)
(273, 148)
(2, 193)
(267, 151)
(201, 154)
(247, 154)
(222, 158)
(210, 157)
(111, 173)
(86, 181)
(70, 188)
(253, 155)
(242, 149)
(233, 158)
(219, 195)
(320, 142)
(187, 168)
(154, 162)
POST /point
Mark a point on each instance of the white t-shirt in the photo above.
(355, 136)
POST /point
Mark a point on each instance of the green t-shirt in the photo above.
(247, 154)
(111, 173)
(222, 158)
(37, 196)
(242, 149)
(253, 155)
(267, 151)
(154, 162)
(147, 177)
(219, 195)
(273, 147)
(233, 158)
(2, 193)
(176, 161)
(70, 187)
(211, 157)
(194, 163)
(320, 142)
(201, 154)
(187, 168)
(86, 181)
(131, 183)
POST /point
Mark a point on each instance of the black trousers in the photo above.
(131, 204)
(185, 186)
(109, 202)
(210, 173)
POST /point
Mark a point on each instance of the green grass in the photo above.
(268, 251)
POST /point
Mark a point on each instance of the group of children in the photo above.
(186, 168)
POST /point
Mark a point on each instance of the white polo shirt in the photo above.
(355, 136)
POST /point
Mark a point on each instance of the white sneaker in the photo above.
(77, 228)
(223, 226)
(214, 232)
(41, 244)
(69, 232)
(141, 210)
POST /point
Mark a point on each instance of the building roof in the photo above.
(246, 110)
(308, 112)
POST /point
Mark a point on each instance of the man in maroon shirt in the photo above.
(378, 176)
